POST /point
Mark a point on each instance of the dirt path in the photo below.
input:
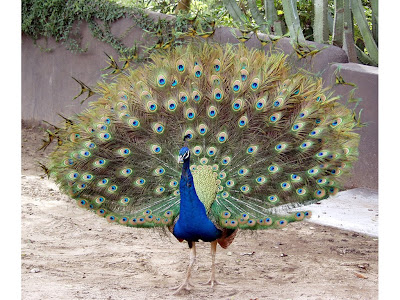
(69, 253)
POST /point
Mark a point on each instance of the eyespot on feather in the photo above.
(336, 122)
(281, 223)
(226, 160)
(74, 137)
(243, 121)
(212, 111)
(82, 203)
(286, 186)
(204, 161)
(190, 114)
(267, 221)
(244, 74)
(218, 94)
(255, 84)
(237, 105)
(217, 65)
(297, 126)
(225, 195)
(281, 147)
(252, 149)
(124, 200)
(243, 171)
(161, 80)
(140, 181)
(134, 122)
(273, 169)
(232, 223)
(273, 198)
(230, 183)
(299, 216)
(301, 191)
(225, 214)
(222, 137)
(211, 151)
(260, 103)
(261, 180)
(319, 193)
(278, 102)
(197, 150)
(245, 188)
(156, 149)
(123, 221)
(183, 97)
(197, 70)
(202, 129)
(101, 212)
(180, 65)
(196, 96)
(158, 128)
(236, 86)
(274, 117)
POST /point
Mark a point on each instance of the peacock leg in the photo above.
(212, 280)
(186, 284)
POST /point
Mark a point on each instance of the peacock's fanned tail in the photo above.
(260, 137)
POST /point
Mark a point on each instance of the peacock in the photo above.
(204, 140)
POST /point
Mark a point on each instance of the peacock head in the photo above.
(184, 154)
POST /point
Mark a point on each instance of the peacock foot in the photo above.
(184, 286)
(213, 282)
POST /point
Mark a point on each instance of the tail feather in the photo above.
(273, 137)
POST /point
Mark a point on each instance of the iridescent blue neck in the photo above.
(186, 167)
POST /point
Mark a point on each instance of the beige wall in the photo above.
(47, 86)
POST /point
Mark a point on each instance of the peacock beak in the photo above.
(180, 159)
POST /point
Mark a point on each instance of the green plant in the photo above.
(61, 20)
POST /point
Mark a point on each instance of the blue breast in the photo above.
(193, 223)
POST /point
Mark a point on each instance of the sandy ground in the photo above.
(69, 253)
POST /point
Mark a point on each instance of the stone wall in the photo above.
(47, 86)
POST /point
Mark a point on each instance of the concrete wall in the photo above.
(366, 78)
(47, 86)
